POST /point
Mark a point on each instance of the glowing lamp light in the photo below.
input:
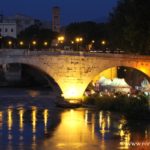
(34, 42)
(21, 43)
(61, 39)
(73, 94)
(93, 41)
(103, 42)
(45, 43)
(9, 42)
(72, 42)
(79, 39)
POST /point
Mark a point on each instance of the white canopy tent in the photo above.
(116, 85)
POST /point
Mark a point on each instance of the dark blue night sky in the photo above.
(71, 10)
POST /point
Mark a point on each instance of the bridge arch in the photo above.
(140, 68)
(39, 67)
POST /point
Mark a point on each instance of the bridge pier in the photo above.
(73, 92)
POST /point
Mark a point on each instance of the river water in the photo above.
(33, 123)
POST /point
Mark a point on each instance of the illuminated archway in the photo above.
(111, 73)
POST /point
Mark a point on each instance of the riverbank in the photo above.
(27, 96)
(133, 107)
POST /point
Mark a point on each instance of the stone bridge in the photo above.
(73, 71)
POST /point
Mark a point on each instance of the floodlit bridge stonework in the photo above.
(74, 71)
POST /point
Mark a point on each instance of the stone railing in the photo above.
(26, 52)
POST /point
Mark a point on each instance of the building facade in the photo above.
(8, 29)
(11, 26)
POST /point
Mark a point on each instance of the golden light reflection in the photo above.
(93, 126)
(108, 122)
(1, 119)
(34, 142)
(86, 116)
(9, 119)
(73, 129)
(21, 112)
(125, 140)
(125, 135)
(45, 119)
(103, 127)
(34, 119)
(104, 123)
(73, 121)
(100, 119)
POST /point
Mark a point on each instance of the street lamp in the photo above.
(72, 42)
(45, 43)
(78, 40)
(61, 39)
(103, 42)
(10, 43)
(21, 43)
(34, 43)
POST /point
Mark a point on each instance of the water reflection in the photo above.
(43, 128)
(9, 121)
(34, 119)
(45, 120)
(21, 112)
(1, 119)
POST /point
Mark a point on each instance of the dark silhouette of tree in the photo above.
(130, 26)
(35, 32)
(88, 30)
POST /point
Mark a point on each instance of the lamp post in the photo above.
(34, 43)
(60, 40)
(103, 43)
(45, 43)
(10, 44)
(78, 41)
(21, 43)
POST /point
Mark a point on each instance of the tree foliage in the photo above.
(35, 32)
(88, 30)
(130, 26)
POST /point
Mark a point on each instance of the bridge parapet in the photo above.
(26, 52)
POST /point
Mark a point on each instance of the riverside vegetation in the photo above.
(133, 107)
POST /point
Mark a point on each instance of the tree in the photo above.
(88, 30)
(130, 26)
(35, 32)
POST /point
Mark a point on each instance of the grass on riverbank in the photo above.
(133, 107)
